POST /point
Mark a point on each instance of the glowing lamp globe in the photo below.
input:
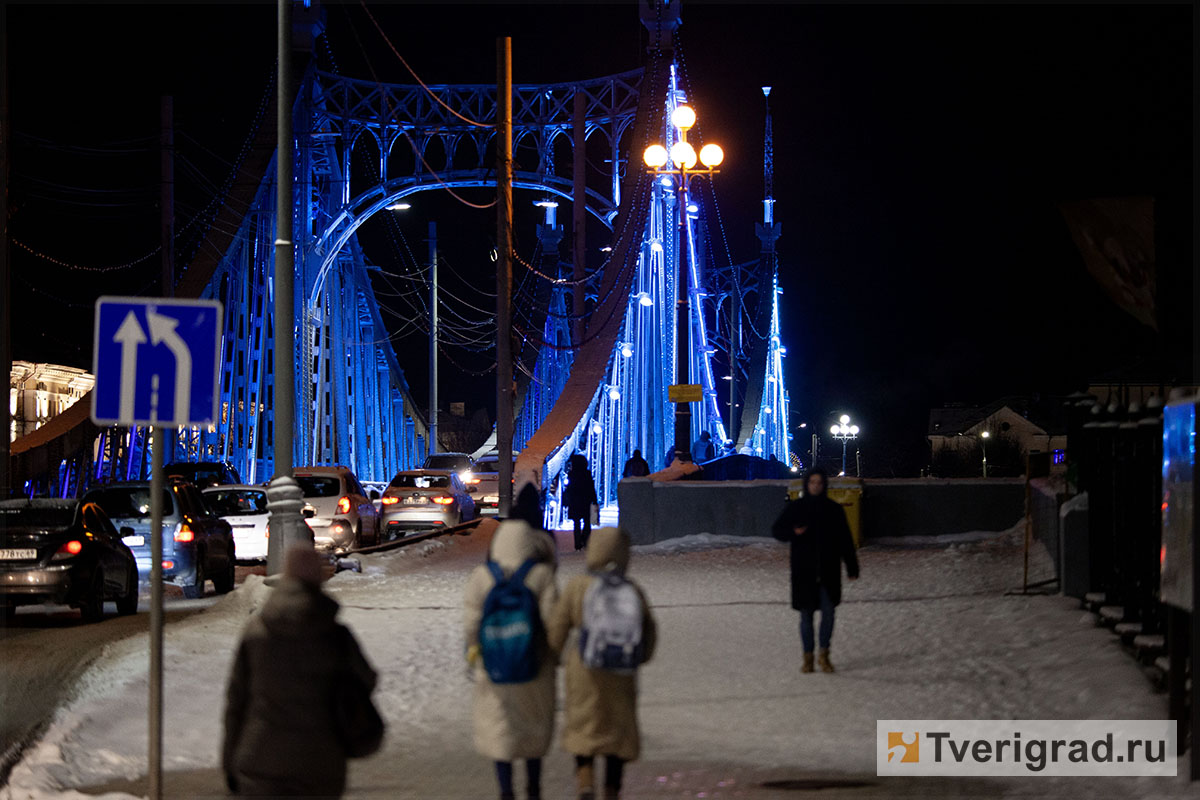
(614, 393)
(683, 117)
(655, 156)
(986, 434)
(845, 418)
(854, 430)
(683, 155)
(835, 430)
(711, 155)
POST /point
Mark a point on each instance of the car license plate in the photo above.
(414, 501)
(134, 541)
(17, 553)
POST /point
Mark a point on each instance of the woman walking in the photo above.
(815, 527)
(513, 720)
(579, 495)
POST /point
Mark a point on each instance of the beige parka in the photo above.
(601, 706)
(514, 720)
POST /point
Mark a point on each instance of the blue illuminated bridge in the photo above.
(598, 384)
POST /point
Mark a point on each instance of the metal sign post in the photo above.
(155, 362)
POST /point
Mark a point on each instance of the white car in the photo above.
(244, 507)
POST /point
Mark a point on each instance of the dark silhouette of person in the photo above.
(579, 495)
(636, 466)
(702, 448)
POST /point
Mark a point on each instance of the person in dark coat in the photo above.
(702, 448)
(281, 737)
(815, 526)
(579, 496)
(636, 466)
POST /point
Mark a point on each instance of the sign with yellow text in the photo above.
(685, 393)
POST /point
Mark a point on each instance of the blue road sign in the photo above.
(156, 361)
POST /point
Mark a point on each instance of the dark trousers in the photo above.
(806, 623)
(614, 769)
(584, 524)
(533, 773)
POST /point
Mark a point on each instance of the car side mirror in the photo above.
(126, 531)
(373, 494)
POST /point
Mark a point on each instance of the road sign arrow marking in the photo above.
(129, 336)
(162, 331)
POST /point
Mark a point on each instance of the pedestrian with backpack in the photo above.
(507, 600)
(616, 634)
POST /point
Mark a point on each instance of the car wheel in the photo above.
(224, 582)
(196, 588)
(91, 607)
(127, 603)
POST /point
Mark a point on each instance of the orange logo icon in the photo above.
(905, 745)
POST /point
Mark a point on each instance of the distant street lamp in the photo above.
(983, 437)
(844, 432)
(683, 156)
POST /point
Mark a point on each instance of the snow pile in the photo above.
(700, 541)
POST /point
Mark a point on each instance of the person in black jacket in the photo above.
(820, 539)
(636, 466)
(578, 496)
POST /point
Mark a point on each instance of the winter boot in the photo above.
(611, 793)
(823, 660)
(807, 666)
(586, 779)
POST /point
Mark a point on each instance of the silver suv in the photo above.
(337, 508)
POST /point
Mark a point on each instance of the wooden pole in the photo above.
(504, 215)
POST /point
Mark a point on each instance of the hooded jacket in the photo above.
(513, 720)
(818, 553)
(601, 706)
(280, 734)
(580, 491)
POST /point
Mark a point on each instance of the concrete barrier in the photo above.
(653, 511)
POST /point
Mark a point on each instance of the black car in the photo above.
(65, 552)
(203, 474)
(197, 545)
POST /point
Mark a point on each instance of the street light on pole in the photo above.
(983, 437)
(844, 432)
(684, 157)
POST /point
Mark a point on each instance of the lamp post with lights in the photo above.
(983, 437)
(844, 432)
(684, 158)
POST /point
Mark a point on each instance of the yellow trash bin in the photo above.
(846, 492)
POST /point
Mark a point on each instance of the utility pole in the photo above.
(433, 339)
(167, 196)
(284, 497)
(5, 293)
(504, 217)
(579, 216)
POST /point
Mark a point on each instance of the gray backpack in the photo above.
(611, 636)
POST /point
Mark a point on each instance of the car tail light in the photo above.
(168, 565)
(343, 505)
(68, 549)
(184, 533)
(443, 501)
(389, 501)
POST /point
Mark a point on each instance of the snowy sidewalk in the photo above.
(927, 633)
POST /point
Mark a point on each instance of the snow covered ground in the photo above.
(927, 633)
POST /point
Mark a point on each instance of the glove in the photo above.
(472, 654)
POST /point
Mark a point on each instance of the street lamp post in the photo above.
(684, 158)
(844, 432)
(983, 437)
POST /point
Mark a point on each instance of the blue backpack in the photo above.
(510, 626)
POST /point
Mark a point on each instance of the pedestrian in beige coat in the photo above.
(601, 706)
(513, 720)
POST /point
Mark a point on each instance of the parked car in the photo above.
(461, 463)
(487, 497)
(64, 552)
(197, 545)
(337, 508)
(425, 499)
(203, 474)
(244, 507)
(375, 491)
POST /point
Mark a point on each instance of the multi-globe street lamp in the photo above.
(684, 158)
(844, 432)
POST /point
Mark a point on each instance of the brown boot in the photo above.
(585, 778)
(807, 666)
(823, 660)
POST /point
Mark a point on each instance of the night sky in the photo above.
(920, 153)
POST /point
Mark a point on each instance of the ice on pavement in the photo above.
(928, 632)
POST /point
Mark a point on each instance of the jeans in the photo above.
(533, 772)
(806, 623)
(614, 770)
(583, 531)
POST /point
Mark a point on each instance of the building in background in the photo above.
(38, 392)
(1016, 427)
